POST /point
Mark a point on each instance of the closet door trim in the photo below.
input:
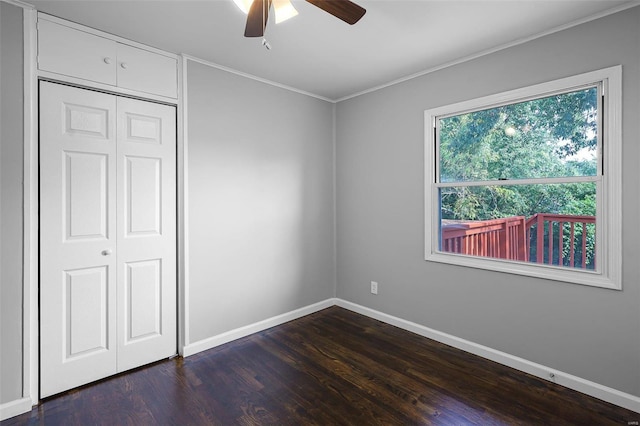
(30, 323)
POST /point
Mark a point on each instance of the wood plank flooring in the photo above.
(334, 367)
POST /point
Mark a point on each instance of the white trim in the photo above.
(613, 396)
(183, 209)
(255, 77)
(30, 380)
(24, 5)
(604, 393)
(486, 52)
(15, 408)
(31, 210)
(534, 91)
(107, 88)
(247, 330)
(335, 199)
(458, 61)
(612, 259)
(531, 181)
(609, 216)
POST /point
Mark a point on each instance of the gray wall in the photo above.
(589, 332)
(262, 200)
(11, 106)
(260, 164)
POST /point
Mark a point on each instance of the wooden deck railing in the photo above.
(537, 239)
(550, 231)
(500, 238)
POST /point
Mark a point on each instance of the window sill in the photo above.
(555, 273)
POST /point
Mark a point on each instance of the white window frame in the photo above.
(609, 182)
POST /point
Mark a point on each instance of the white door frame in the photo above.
(30, 321)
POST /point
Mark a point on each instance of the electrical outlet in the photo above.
(374, 287)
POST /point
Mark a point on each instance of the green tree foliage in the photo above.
(542, 138)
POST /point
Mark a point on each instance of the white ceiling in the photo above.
(319, 54)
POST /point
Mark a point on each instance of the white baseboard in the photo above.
(14, 408)
(221, 339)
(613, 396)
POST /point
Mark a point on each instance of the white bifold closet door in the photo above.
(107, 235)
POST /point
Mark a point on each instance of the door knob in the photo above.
(124, 65)
(106, 252)
(107, 60)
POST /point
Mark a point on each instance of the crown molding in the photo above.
(486, 52)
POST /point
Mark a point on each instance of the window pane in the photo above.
(548, 137)
(551, 224)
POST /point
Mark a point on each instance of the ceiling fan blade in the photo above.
(346, 10)
(257, 18)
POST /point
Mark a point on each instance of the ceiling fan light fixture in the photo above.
(243, 5)
(258, 12)
(284, 10)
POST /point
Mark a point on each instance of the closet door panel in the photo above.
(86, 311)
(77, 237)
(143, 214)
(147, 279)
(85, 192)
(143, 298)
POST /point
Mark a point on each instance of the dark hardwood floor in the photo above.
(334, 367)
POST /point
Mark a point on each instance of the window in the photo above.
(528, 181)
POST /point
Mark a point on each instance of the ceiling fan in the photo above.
(258, 14)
